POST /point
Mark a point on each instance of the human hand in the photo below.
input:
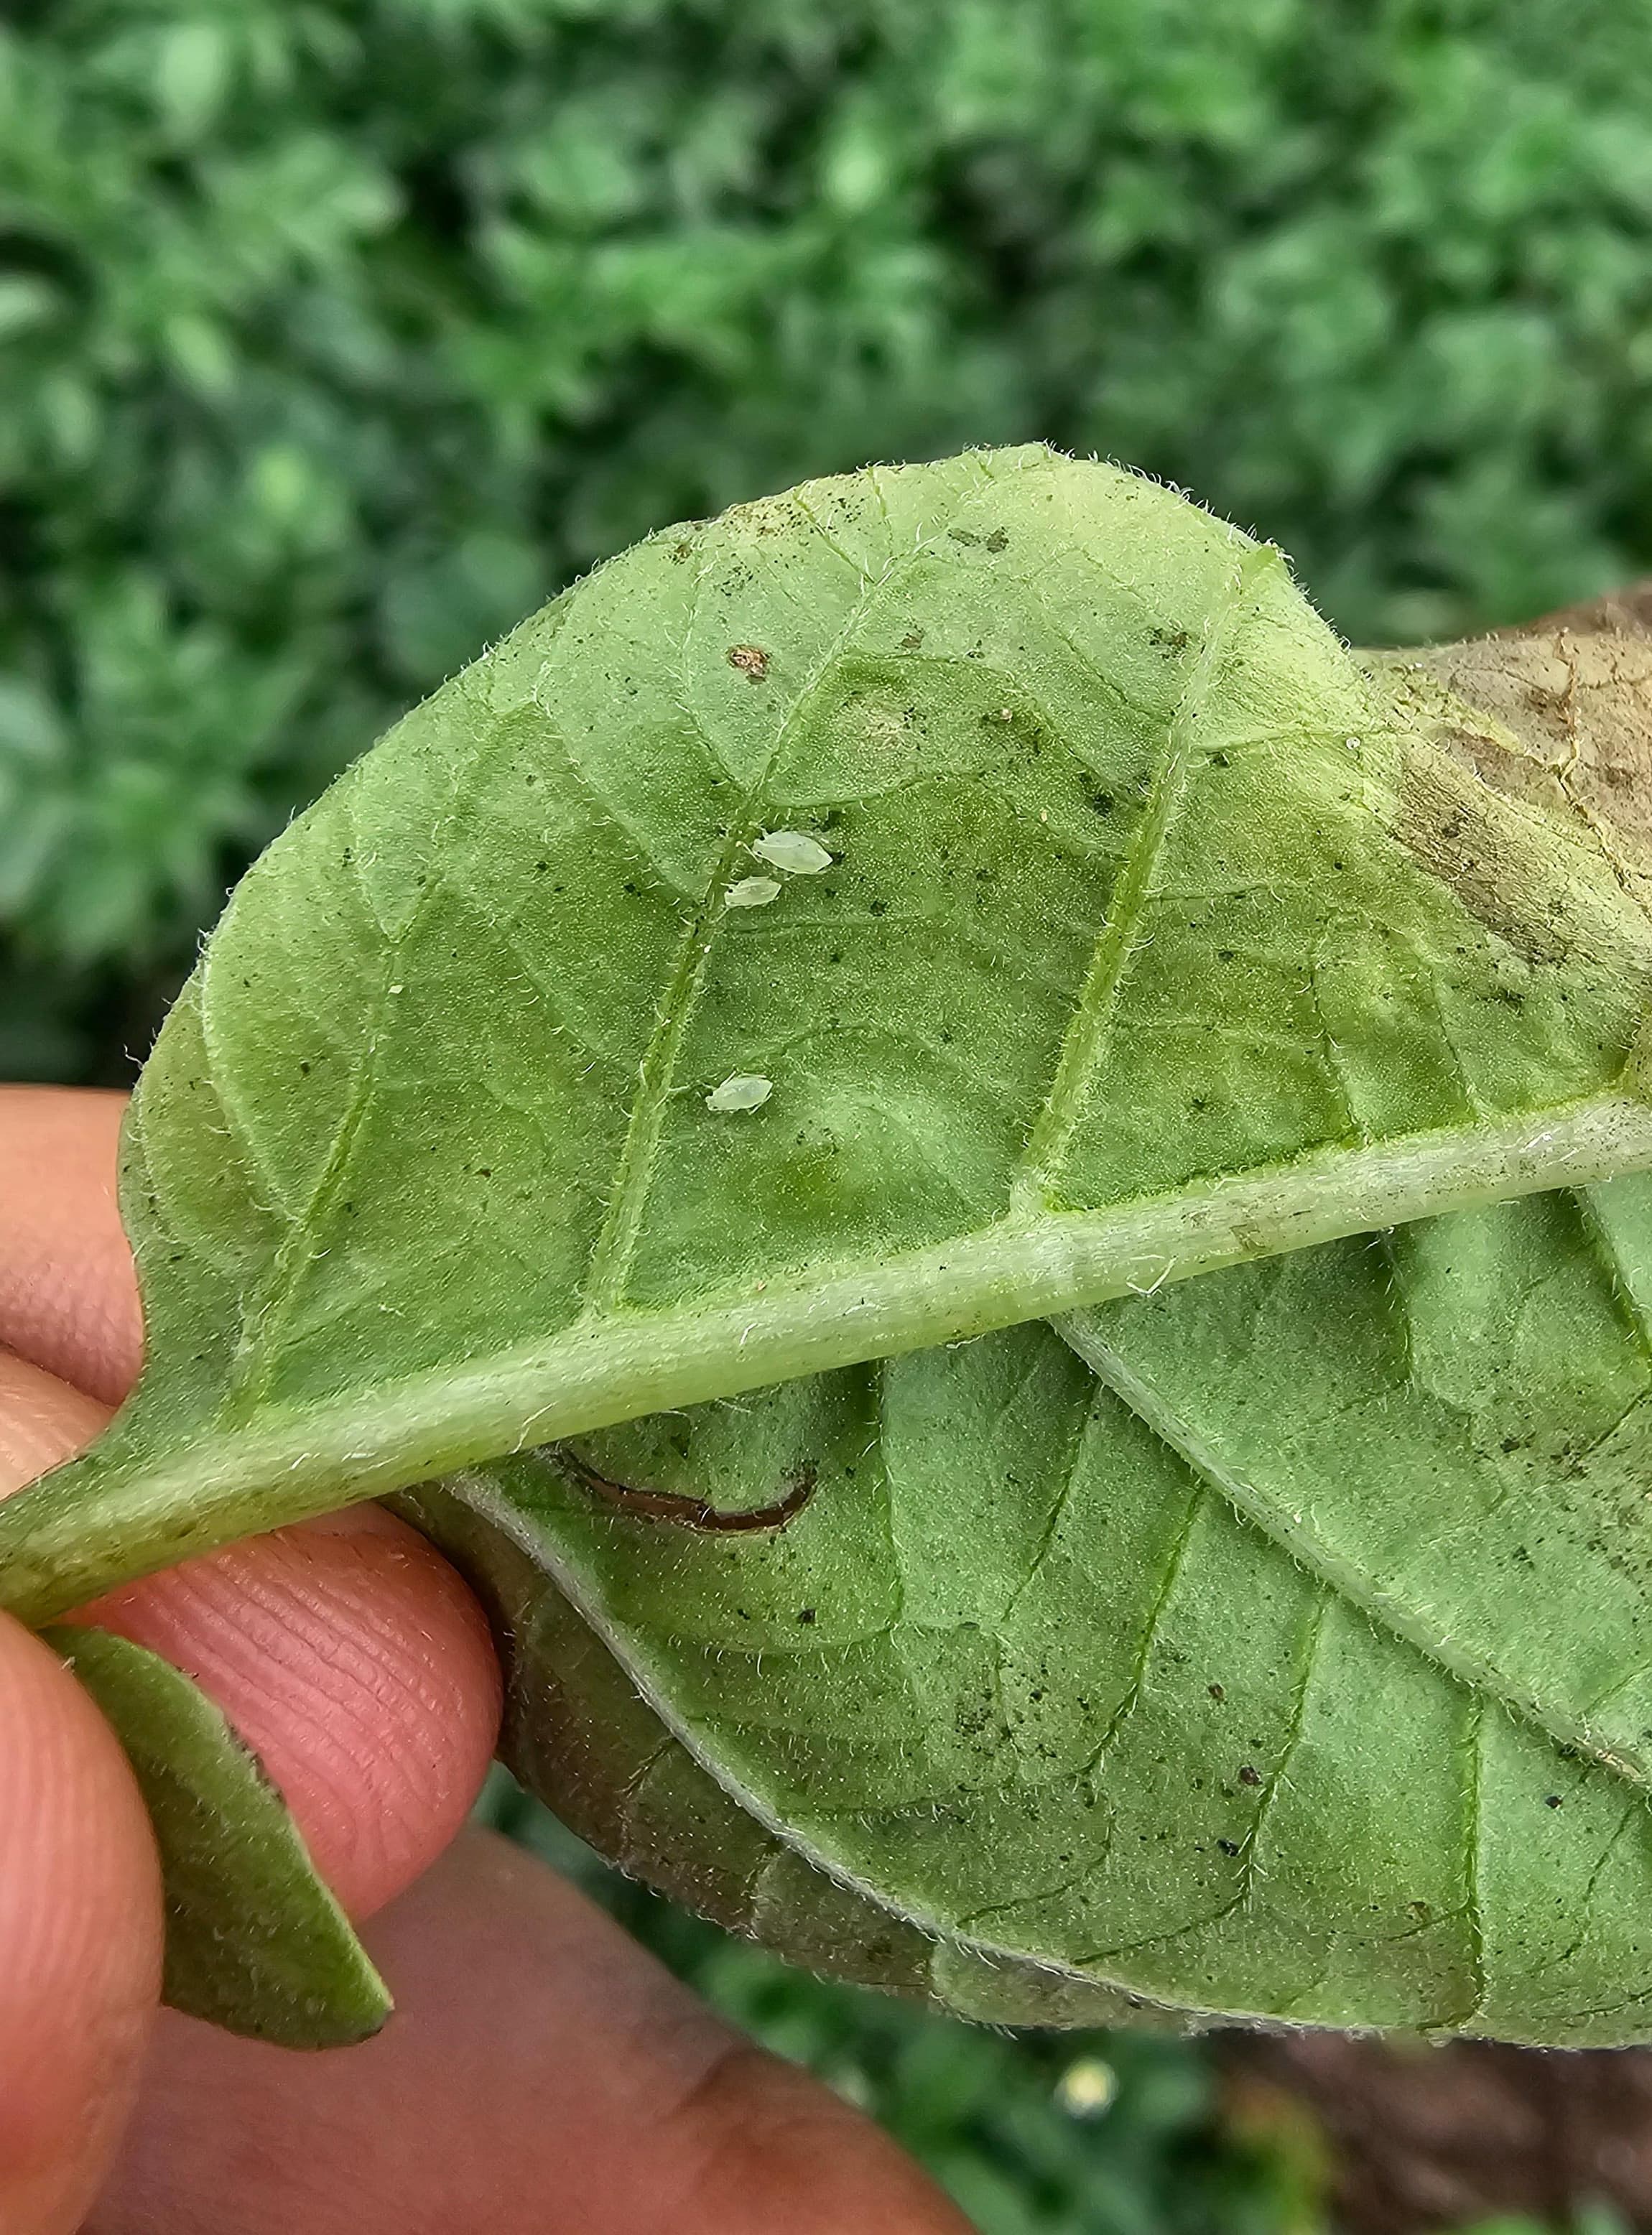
(542, 2071)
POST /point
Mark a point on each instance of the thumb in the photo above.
(79, 1940)
(80, 1890)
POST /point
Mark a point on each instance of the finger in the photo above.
(542, 2073)
(347, 1654)
(79, 1940)
(42, 1421)
(68, 1300)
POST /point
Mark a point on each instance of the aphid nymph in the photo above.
(793, 851)
(752, 891)
(743, 1091)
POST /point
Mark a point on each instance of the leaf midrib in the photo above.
(305, 1459)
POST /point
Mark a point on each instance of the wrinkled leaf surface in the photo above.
(580, 1735)
(1293, 1671)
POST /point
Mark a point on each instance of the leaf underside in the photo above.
(255, 1940)
(579, 1734)
(1343, 1723)
(1151, 938)
(1116, 924)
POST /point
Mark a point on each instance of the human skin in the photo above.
(542, 2071)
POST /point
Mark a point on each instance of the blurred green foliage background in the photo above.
(336, 334)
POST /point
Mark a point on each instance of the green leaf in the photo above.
(1341, 1723)
(1451, 1425)
(1153, 933)
(255, 1941)
(579, 1735)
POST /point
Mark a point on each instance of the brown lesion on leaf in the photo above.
(1443, 820)
(751, 660)
(685, 1513)
(1565, 726)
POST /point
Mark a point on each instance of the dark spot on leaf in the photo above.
(997, 540)
(805, 1614)
(1552, 1800)
(1103, 803)
(1249, 1776)
(1216, 1691)
(690, 1512)
(1229, 1847)
(751, 660)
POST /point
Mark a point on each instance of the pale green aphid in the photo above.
(752, 891)
(793, 851)
(744, 1091)
(1164, 935)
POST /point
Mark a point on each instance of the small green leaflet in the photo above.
(1128, 926)
(255, 1941)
